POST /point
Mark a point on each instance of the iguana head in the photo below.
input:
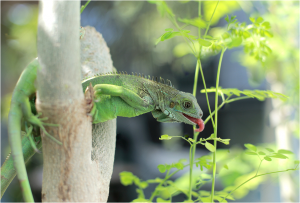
(183, 107)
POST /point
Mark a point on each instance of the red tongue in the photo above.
(199, 121)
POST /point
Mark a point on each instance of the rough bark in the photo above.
(69, 174)
(95, 58)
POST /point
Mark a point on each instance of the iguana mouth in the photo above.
(197, 121)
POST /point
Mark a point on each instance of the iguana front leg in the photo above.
(112, 101)
(127, 95)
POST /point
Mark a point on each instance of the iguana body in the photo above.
(132, 95)
(115, 95)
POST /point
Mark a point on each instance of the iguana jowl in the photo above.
(116, 94)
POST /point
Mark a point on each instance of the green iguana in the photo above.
(116, 94)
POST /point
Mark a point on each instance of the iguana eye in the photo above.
(187, 104)
(172, 104)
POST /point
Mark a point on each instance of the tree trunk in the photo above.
(95, 58)
(69, 173)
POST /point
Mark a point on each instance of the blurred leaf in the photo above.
(225, 166)
(226, 141)
(167, 35)
(162, 200)
(261, 153)
(259, 20)
(210, 147)
(198, 22)
(165, 137)
(163, 8)
(280, 156)
(143, 184)
(267, 33)
(251, 147)
(204, 42)
(269, 149)
(252, 19)
(156, 180)
(284, 151)
(168, 166)
(140, 200)
(258, 94)
(126, 178)
(250, 153)
(161, 168)
(266, 25)
(267, 158)
(179, 166)
(235, 42)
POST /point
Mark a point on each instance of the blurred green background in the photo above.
(130, 30)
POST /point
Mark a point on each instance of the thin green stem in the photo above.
(83, 7)
(164, 180)
(206, 95)
(171, 18)
(196, 78)
(211, 19)
(291, 169)
(192, 156)
(239, 98)
(258, 166)
(216, 125)
(199, 15)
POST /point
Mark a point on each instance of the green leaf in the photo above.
(191, 140)
(162, 200)
(250, 153)
(266, 25)
(227, 18)
(156, 180)
(296, 162)
(182, 160)
(188, 200)
(197, 22)
(168, 166)
(259, 20)
(246, 34)
(143, 185)
(261, 153)
(235, 42)
(269, 149)
(268, 34)
(165, 137)
(225, 166)
(179, 165)
(250, 147)
(126, 178)
(161, 168)
(162, 7)
(267, 158)
(140, 200)
(258, 94)
(284, 151)
(210, 147)
(279, 156)
(204, 43)
(252, 19)
(226, 141)
(169, 35)
(169, 29)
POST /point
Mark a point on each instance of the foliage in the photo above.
(254, 38)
